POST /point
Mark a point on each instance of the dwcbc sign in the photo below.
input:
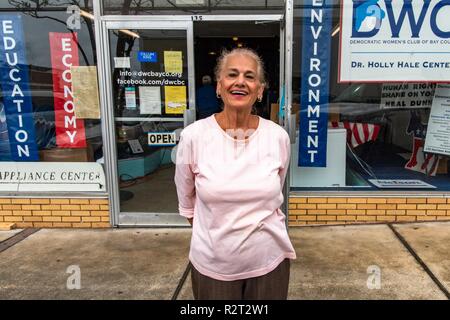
(401, 40)
(370, 15)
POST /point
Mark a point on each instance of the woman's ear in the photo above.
(261, 90)
(218, 88)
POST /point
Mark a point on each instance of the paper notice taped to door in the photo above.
(130, 98)
(173, 61)
(150, 100)
(175, 99)
(122, 62)
(85, 92)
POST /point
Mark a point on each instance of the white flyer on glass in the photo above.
(121, 62)
(438, 131)
(401, 40)
(150, 100)
(130, 98)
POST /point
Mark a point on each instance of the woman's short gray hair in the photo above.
(244, 51)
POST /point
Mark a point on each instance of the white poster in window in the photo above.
(438, 132)
(150, 100)
(121, 62)
(397, 40)
(407, 95)
(130, 98)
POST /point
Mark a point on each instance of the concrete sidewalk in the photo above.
(334, 262)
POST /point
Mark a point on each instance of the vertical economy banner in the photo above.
(16, 91)
(315, 83)
(70, 131)
(395, 41)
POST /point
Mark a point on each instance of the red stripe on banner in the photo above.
(356, 135)
(70, 131)
(376, 130)
(349, 132)
(433, 168)
(366, 131)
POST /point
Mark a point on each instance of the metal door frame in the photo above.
(181, 22)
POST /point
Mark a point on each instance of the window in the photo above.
(38, 120)
(376, 131)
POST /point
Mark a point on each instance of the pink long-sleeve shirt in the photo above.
(233, 190)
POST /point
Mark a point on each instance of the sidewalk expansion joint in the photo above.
(420, 261)
(22, 235)
(181, 282)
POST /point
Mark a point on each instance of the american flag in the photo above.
(420, 161)
(358, 133)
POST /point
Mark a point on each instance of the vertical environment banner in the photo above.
(16, 91)
(70, 131)
(315, 83)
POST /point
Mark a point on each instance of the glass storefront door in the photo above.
(150, 88)
(149, 72)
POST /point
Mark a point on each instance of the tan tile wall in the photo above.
(341, 210)
(55, 213)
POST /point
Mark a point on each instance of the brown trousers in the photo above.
(271, 286)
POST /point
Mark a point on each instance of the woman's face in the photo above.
(239, 85)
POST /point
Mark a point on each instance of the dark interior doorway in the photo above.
(210, 38)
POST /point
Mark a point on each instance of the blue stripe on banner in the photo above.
(315, 84)
(16, 91)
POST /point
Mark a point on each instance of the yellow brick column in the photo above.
(55, 212)
(349, 210)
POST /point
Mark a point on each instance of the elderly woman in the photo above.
(229, 176)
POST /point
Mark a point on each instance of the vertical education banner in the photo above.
(315, 83)
(395, 41)
(70, 131)
(16, 90)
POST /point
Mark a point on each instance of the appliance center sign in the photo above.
(401, 40)
(51, 176)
